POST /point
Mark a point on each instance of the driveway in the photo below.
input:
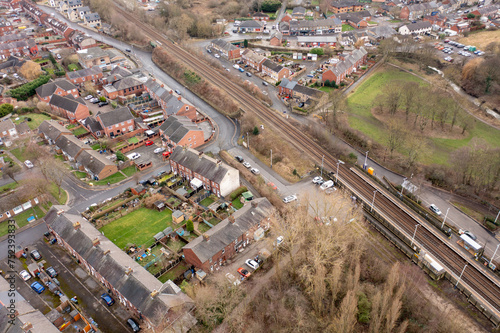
(148, 155)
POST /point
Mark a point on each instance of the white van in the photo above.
(326, 185)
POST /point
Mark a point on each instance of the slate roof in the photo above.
(341, 4)
(226, 232)
(22, 128)
(253, 56)
(176, 127)
(68, 102)
(224, 45)
(260, 14)
(298, 11)
(13, 37)
(84, 9)
(92, 53)
(158, 90)
(137, 286)
(12, 62)
(92, 124)
(6, 125)
(52, 129)
(418, 25)
(277, 34)
(272, 66)
(17, 44)
(93, 161)
(173, 105)
(250, 24)
(91, 17)
(204, 165)
(288, 84)
(304, 25)
(70, 145)
(96, 70)
(50, 87)
(115, 116)
(127, 82)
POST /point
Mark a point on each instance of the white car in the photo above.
(247, 165)
(133, 156)
(290, 198)
(217, 56)
(230, 277)
(159, 150)
(255, 171)
(279, 240)
(435, 209)
(28, 164)
(317, 179)
(25, 275)
(326, 185)
(252, 264)
(88, 97)
(235, 66)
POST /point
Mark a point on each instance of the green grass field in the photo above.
(22, 218)
(130, 170)
(80, 131)
(346, 27)
(114, 178)
(138, 227)
(80, 174)
(20, 154)
(363, 100)
(173, 273)
(36, 119)
(8, 187)
(61, 198)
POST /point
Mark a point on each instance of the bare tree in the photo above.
(30, 70)
(410, 90)
(53, 170)
(11, 171)
(395, 135)
(393, 98)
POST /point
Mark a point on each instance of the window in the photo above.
(189, 139)
(122, 123)
(223, 251)
(210, 260)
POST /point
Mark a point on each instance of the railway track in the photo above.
(436, 245)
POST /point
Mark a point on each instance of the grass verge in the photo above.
(114, 178)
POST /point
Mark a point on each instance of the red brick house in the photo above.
(275, 71)
(18, 48)
(438, 20)
(180, 131)
(405, 13)
(123, 88)
(116, 122)
(287, 18)
(170, 104)
(259, 16)
(348, 64)
(59, 87)
(219, 244)
(338, 7)
(276, 38)
(73, 109)
(253, 59)
(81, 76)
(225, 49)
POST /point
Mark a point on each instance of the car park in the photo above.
(326, 185)
(133, 156)
(25, 275)
(435, 209)
(247, 165)
(290, 198)
(35, 255)
(239, 159)
(52, 272)
(37, 287)
(149, 143)
(28, 164)
(108, 299)
(133, 325)
(159, 150)
(243, 272)
(255, 171)
(252, 264)
(317, 179)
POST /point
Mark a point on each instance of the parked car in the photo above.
(248, 74)
(255, 171)
(265, 83)
(235, 66)
(232, 279)
(37, 287)
(435, 209)
(241, 70)
(326, 185)
(101, 104)
(317, 179)
(25, 275)
(177, 91)
(470, 234)
(239, 159)
(88, 97)
(252, 264)
(149, 143)
(51, 271)
(159, 150)
(133, 325)
(108, 299)
(243, 272)
(217, 56)
(133, 156)
(94, 100)
(279, 240)
(209, 51)
(128, 50)
(28, 164)
(35, 255)
(290, 198)
(247, 165)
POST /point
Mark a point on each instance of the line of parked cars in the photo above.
(247, 165)
(469, 48)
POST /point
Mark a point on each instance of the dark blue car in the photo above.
(36, 286)
(108, 299)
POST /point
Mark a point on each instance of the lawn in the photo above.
(130, 170)
(80, 131)
(326, 89)
(73, 67)
(237, 203)
(8, 187)
(21, 219)
(173, 273)
(36, 119)
(203, 227)
(372, 22)
(347, 27)
(61, 199)
(114, 178)
(138, 227)
(4, 228)
(133, 140)
(206, 202)
(80, 174)
(20, 154)
(362, 101)
(96, 146)
(394, 21)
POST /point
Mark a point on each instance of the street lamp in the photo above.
(460, 277)
(414, 233)
(445, 216)
(496, 218)
(402, 187)
(373, 201)
(494, 253)
(339, 162)
(271, 158)
(366, 159)
(322, 159)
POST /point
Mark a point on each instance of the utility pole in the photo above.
(445, 216)
(497, 217)
(373, 201)
(494, 253)
(339, 162)
(366, 160)
(271, 158)
(460, 277)
(248, 142)
(414, 233)
(322, 159)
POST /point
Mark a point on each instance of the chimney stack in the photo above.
(178, 98)
(171, 92)
(231, 219)
(107, 251)
(129, 270)
(77, 225)
(154, 293)
(96, 242)
(200, 154)
(254, 204)
(206, 237)
(27, 326)
(163, 86)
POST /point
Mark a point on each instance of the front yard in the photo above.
(114, 178)
(138, 227)
(36, 119)
(130, 170)
(347, 27)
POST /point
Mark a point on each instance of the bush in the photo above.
(327, 83)
(236, 193)
(102, 99)
(120, 156)
(491, 226)
(5, 109)
(28, 89)
(255, 131)
(364, 308)
(189, 225)
(60, 73)
(318, 50)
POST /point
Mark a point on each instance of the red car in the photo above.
(243, 272)
(166, 154)
(149, 143)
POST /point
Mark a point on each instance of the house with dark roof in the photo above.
(93, 126)
(275, 71)
(158, 305)
(18, 48)
(348, 63)
(92, 20)
(70, 147)
(315, 27)
(217, 177)
(23, 128)
(51, 130)
(253, 59)
(225, 49)
(79, 77)
(82, 11)
(298, 13)
(170, 104)
(260, 16)
(96, 165)
(69, 107)
(70, 8)
(219, 244)
(292, 89)
(8, 130)
(123, 88)
(12, 64)
(82, 41)
(60, 87)
(250, 26)
(116, 122)
(180, 131)
(344, 6)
